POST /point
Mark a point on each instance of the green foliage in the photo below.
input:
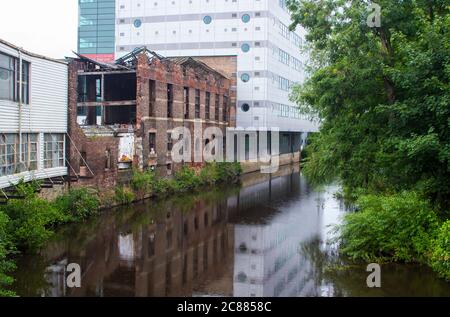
(6, 248)
(398, 227)
(31, 219)
(186, 179)
(142, 183)
(440, 257)
(78, 204)
(228, 172)
(124, 195)
(382, 95)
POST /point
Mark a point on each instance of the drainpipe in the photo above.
(20, 106)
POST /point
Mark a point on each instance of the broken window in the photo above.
(107, 98)
(169, 100)
(197, 103)
(120, 87)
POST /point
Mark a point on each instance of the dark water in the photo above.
(267, 238)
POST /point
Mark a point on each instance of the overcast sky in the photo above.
(46, 27)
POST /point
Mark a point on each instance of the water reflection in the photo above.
(263, 239)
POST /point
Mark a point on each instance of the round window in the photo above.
(245, 77)
(245, 18)
(245, 107)
(242, 277)
(207, 19)
(245, 48)
(137, 23)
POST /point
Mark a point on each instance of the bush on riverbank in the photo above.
(186, 179)
(123, 195)
(6, 249)
(78, 204)
(400, 227)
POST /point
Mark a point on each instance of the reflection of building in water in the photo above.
(242, 245)
(268, 261)
(174, 255)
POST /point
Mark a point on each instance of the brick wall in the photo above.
(161, 72)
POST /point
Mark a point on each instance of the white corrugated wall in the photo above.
(46, 113)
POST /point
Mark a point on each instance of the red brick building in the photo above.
(121, 115)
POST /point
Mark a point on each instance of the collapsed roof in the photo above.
(129, 61)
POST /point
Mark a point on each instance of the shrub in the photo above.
(208, 174)
(78, 204)
(142, 183)
(397, 227)
(31, 220)
(228, 172)
(186, 179)
(440, 257)
(124, 195)
(6, 248)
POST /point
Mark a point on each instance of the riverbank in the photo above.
(208, 243)
(27, 224)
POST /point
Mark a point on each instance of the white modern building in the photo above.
(269, 56)
(33, 116)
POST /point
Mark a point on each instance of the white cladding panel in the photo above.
(177, 28)
(47, 111)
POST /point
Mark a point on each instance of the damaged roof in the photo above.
(193, 63)
(129, 61)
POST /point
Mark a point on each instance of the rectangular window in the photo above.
(169, 100)
(197, 103)
(53, 150)
(152, 141)
(7, 77)
(207, 105)
(225, 108)
(216, 113)
(186, 102)
(11, 87)
(10, 152)
(8, 155)
(169, 142)
(152, 98)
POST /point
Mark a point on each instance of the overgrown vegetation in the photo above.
(382, 94)
(401, 227)
(186, 179)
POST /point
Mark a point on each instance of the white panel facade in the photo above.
(222, 27)
(44, 116)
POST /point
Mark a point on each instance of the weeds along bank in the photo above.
(26, 224)
(401, 227)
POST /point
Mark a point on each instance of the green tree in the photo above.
(382, 95)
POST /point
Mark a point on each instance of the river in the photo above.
(268, 237)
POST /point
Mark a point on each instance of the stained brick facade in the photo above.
(100, 145)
